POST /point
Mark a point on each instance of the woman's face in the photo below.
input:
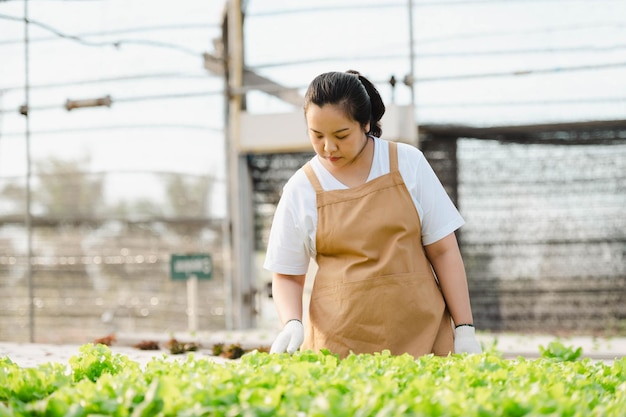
(336, 138)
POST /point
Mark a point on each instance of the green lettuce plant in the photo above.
(97, 382)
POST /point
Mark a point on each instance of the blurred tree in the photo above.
(138, 208)
(66, 189)
(13, 199)
(188, 196)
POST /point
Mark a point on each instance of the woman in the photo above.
(377, 221)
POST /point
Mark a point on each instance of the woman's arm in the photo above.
(445, 257)
(287, 294)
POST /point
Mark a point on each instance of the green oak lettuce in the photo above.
(97, 382)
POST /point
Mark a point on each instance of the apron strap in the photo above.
(308, 170)
(393, 166)
(393, 156)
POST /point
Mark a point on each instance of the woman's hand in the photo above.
(290, 338)
(465, 340)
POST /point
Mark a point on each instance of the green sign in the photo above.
(184, 266)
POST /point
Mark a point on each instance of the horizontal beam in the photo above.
(44, 221)
(575, 133)
(254, 81)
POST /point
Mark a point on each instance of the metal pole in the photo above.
(228, 273)
(227, 248)
(235, 81)
(192, 303)
(239, 180)
(28, 215)
(411, 53)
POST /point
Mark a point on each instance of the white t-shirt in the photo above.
(291, 242)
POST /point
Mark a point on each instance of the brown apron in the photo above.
(375, 288)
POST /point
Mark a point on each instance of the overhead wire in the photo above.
(570, 101)
(523, 72)
(140, 29)
(154, 97)
(103, 80)
(455, 54)
(532, 30)
(116, 44)
(362, 6)
(113, 172)
(119, 127)
(508, 73)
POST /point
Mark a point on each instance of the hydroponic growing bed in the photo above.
(96, 382)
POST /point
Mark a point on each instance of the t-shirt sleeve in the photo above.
(438, 215)
(287, 249)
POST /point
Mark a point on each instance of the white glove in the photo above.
(290, 338)
(465, 340)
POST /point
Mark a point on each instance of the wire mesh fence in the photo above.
(98, 269)
(545, 239)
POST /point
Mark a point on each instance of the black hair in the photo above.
(350, 90)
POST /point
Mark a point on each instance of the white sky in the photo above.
(479, 43)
